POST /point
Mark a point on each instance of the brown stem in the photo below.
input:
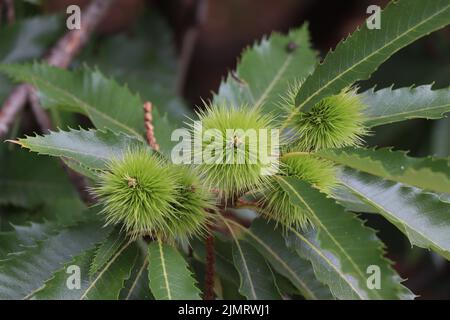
(10, 12)
(247, 204)
(150, 132)
(189, 42)
(61, 55)
(210, 267)
(12, 106)
(41, 116)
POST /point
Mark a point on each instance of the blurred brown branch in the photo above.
(61, 55)
(210, 266)
(9, 10)
(200, 8)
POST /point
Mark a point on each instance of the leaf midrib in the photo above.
(164, 270)
(355, 266)
(100, 274)
(275, 79)
(379, 207)
(329, 262)
(72, 151)
(243, 260)
(374, 118)
(277, 257)
(144, 264)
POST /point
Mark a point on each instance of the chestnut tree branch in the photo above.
(190, 40)
(210, 266)
(41, 116)
(60, 55)
(10, 12)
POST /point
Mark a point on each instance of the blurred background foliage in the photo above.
(175, 53)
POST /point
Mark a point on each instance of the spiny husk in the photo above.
(334, 122)
(191, 206)
(149, 197)
(229, 177)
(275, 201)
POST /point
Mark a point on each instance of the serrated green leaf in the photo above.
(56, 287)
(27, 180)
(62, 212)
(105, 285)
(168, 274)
(39, 226)
(110, 279)
(86, 91)
(136, 287)
(421, 68)
(22, 275)
(91, 148)
(23, 236)
(423, 217)
(267, 69)
(426, 173)
(349, 201)
(104, 101)
(388, 105)
(285, 286)
(80, 168)
(344, 235)
(402, 22)
(257, 279)
(326, 265)
(145, 60)
(269, 241)
(107, 249)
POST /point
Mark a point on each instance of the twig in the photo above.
(149, 129)
(70, 44)
(60, 55)
(12, 106)
(189, 41)
(242, 203)
(41, 116)
(210, 266)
